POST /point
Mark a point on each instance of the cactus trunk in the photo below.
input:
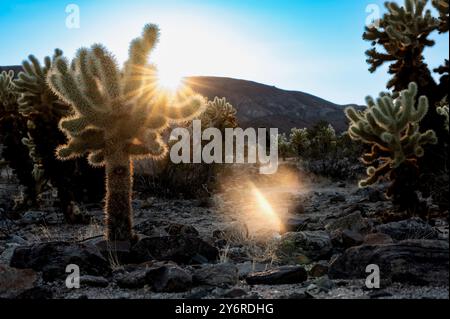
(119, 181)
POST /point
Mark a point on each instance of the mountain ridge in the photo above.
(262, 105)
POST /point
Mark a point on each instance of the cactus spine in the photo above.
(391, 126)
(119, 117)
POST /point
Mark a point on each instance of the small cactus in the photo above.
(119, 116)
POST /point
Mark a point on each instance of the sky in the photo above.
(303, 45)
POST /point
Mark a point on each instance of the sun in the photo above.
(169, 79)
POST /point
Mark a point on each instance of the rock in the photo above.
(15, 281)
(375, 195)
(377, 239)
(413, 228)
(353, 221)
(237, 254)
(180, 249)
(351, 238)
(313, 244)
(410, 261)
(235, 293)
(337, 198)
(32, 217)
(52, 259)
(93, 281)
(220, 275)
(169, 278)
(296, 224)
(17, 240)
(248, 267)
(151, 228)
(379, 294)
(319, 269)
(298, 295)
(117, 251)
(180, 229)
(133, 279)
(278, 276)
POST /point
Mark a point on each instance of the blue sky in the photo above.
(311, 46)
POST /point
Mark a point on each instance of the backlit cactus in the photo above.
(403, 34)
(119, 116)
(300, 140)
(219, 114)
(442, 109)
(391, 126)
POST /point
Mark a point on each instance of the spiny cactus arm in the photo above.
(90, 140)
(8, 96)
(443, 8)
(374, 174)
(150, 146)
(135, 67)
(185, 108)
(97, 159)
(443, 110)
(108, 71)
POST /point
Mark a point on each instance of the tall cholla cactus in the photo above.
(219, 114)
(392, 128)
(403, 32)
(119, 117)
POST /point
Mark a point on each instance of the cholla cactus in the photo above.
(8, 97)
(403, 32)
(219, 114)
(300, 139)
(34, 94)
(284, 146)
(119, 117)
(392, 128)
(442, 109)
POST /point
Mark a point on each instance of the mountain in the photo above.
(260, 105)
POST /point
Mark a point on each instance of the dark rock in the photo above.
(298, 295)
(353, 221)
(180, 229)
(235, 293)
(169, 278)
(377, 239)
(296, 224)
(338, 198)
(351, 238)
(180, 249)
(133, 279)
(37, 293)
(313, 244)
(410, 261)
(319, 269)
(278, 276)
(32, 217)
(15, 281)
(414, 228)
(221, 275)
(93, 281)
(52, 259)
(297, 208)
(119, 251)
(379, 294)
(248, 267)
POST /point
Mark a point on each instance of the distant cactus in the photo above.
(119, 117)
(442, 109)
(13, 127)
(392, 128)
(219, 114)
(284, 146)
(300, 140)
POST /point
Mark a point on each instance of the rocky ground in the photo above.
(232, 246)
